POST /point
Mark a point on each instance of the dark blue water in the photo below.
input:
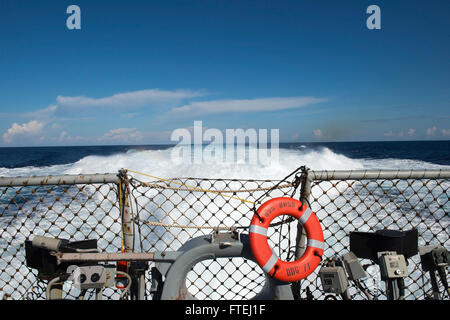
(436, 152)
(48, 156)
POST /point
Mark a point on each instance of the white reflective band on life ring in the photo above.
(305, 216)
(259, 230)
(271, 263)
(315, 244)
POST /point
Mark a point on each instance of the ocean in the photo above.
(157, 159)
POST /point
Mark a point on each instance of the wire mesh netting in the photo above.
(368, 205)
(167, 213)
(72, 212)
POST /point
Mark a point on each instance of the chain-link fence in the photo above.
(366, 201)
(168, 213)
(122, 211)
(66, 207)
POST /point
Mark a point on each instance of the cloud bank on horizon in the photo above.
(46, 124)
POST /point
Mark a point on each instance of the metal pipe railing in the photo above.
(312, 175)
(379, 174)
(59, 180)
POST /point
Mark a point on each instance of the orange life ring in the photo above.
(264, 255)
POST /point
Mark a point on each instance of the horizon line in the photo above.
(174, 144)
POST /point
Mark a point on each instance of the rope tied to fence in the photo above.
(158, 186)
(176, 225)
(191, 188)
(185, 187)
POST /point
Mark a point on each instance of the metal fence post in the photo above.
(125, 212)
(300, 247)
(305, 192)
(56, 292)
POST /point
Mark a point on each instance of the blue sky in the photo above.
(137, 70)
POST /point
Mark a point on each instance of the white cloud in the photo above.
(62, 136)
(445, 132)
(133, 135)
(411, 132)
(390, 133)
(431, 131)
(317, 132)
(44, 113)
(244, 105)
(295, 136)
(131, 99)
(129, 115)
(30, 128)
(125, 135)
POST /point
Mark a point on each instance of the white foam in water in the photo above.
(159, 163)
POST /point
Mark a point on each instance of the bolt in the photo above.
(82, 278)
(95, 277)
